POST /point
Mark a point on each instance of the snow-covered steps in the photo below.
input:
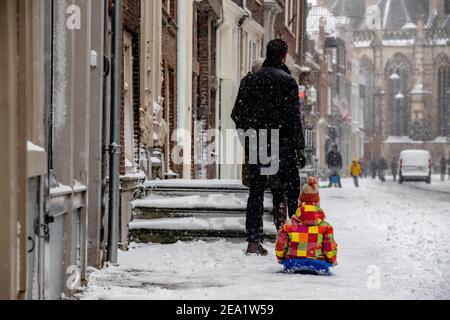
(156, 206)
(171, 230)
(194, 187)
(194, 210)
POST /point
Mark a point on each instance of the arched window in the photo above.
(443, 93)
(398, 70)
(367, 73)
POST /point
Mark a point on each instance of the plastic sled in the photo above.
(307, 266)
(335, 180)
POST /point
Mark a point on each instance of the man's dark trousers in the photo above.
(290, 180)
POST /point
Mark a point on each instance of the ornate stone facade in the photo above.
(408, 43)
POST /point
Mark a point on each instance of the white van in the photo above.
(415, 165)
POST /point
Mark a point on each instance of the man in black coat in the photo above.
(269, 100)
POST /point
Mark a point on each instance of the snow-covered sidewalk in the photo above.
(393, 244)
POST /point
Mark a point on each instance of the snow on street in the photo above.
(393, 244)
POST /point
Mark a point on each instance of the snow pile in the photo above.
(402, 139)
(441, 140)
(32, 147)
(362, 44)
(139, 175)
(399, 42)
(60, 189)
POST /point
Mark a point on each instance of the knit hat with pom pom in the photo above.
(310, 192)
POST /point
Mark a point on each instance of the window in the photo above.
(252, 53)
(366, 91)
(334, 56)
(443, 78)
(398, 99)
(128, 108)
(291, 15)
(341, 56)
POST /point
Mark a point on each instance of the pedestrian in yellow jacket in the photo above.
(355, 171)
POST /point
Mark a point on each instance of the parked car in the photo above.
(415, 165)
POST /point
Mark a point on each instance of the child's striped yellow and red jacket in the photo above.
(307, 235)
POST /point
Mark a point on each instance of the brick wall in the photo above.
(282, 31)
(131, 23)
(256, 7)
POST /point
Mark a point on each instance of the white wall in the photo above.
(228, 71)
(185, 43)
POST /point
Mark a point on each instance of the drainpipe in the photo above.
(114, 148)
(49, 116)
(241, 23)
(106, 73)
(51, 181)
(41, 223)
(222, 17)
(218, 101)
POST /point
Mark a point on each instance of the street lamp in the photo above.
(394, 76)
(399, 96)
(313, 94)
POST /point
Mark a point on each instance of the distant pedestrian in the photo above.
(394, 168)
(374, 168)
(382, 167)
(355, 172)
(363, 165)
(443, 168)
(449, 166)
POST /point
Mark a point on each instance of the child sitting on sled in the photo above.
(306, 242)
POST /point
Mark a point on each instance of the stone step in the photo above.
(187, 210)
(158, 213)
(195, 186)
(163, 236)
(175, 191)
(171, 230)
(154, 207)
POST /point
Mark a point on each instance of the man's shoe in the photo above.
(256, 248)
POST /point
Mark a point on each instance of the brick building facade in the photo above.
(255, 7)
(410, 54)
(291, 27)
